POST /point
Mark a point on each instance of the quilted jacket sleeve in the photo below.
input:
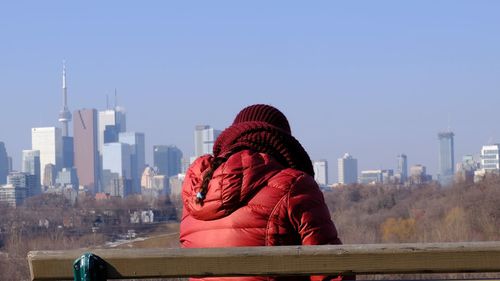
(311, 218)
(309, 214)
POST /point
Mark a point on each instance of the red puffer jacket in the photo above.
(252, 200)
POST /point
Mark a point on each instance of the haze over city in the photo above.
(374, 80)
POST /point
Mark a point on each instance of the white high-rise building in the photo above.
(204, 139)
(111, 123)
(490, 158)
(321, 172)
(371, 177)
(48, 141)
(348, 169)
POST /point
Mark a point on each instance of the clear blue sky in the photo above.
(372, 78)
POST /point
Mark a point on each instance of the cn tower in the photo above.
(64, 115)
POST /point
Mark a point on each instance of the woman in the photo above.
(257, 189)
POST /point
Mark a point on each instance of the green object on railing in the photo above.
(89, 267)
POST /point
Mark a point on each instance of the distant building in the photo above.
(418, 175)
(446, 157)
(167, 159)
(160, 183)
(147, 178)
(12, 195)
(10, 164)
(466, 169)
(64, 114)
(49, 175)
(26, 181)
(117, 171)
(321, 172)
(65, 118)
(67, 152)
(4, 164)
(86, 154)
(348, 169)
(67, 177)
(48, 141)
(30, 162)
(154, 185)
(490, 158)
(175, 183)
(31, 165)
(402, 170)
(111, 122)
(371, 177)
(137, 157)
(204, 139)
(388, 176)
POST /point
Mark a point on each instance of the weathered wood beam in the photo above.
(268, 261)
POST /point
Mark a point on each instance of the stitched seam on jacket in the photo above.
(290, 218)
(285, 196)
(268, 227)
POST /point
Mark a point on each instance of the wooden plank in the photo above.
(286, 260)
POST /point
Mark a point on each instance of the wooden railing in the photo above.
(272, 261)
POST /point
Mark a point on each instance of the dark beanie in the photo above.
(263, 113)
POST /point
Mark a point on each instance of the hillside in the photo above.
(385, 214)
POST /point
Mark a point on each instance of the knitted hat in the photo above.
(263, 128)
(263, 113)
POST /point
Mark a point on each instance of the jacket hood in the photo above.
(232, 185)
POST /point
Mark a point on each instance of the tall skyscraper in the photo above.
(402, 171)
(348, 169)
(4, 164)
(65, 114)
(65, 119)
(167, 159)
(204, 139)
(31, 166)
(111, 122)
(117, 171)
(86, 154)
(137, 157)
(446, 157)
(321, 172)
(48, 141)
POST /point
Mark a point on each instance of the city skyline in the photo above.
(375, 82)
(118, 113)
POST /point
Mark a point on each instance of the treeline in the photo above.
(363, 214)
(51, 222)
(423, 214)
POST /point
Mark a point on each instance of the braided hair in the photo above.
(215, 163)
